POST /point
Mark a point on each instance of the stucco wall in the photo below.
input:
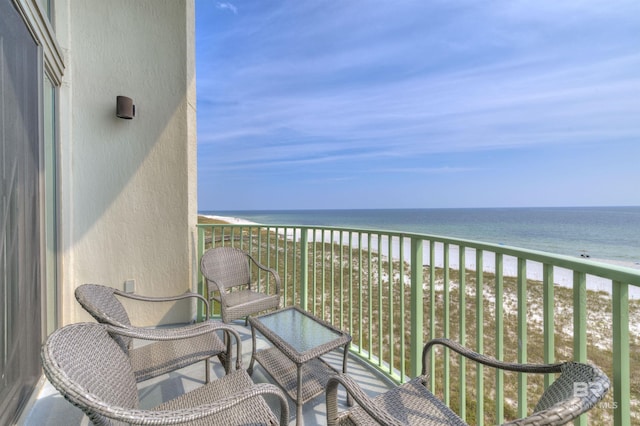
(128, 187)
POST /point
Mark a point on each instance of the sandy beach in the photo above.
(230, 220)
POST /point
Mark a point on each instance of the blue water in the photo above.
(606, 233)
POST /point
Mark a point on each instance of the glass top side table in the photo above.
(298, 339)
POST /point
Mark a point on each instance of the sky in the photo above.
(346, 104)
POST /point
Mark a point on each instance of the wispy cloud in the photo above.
(430, 170)
(508, 106)
(227, 6)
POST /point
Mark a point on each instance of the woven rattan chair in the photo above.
(227, 273)
(413, 404)
(92, 372)
(166, 353)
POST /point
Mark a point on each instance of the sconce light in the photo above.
(125, 107)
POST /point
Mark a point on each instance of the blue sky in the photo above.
(310, 104)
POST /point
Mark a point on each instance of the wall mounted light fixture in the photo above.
(125, 107)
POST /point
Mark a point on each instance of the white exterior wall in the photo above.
(128, 204)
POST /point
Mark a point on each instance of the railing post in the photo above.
(479, 336)
(304, 269)
(446, 294)
(522, 335)
(580, 326)
(403, 373)
(432, 310)
(579, 317)
(621, 371)
(499, 337)
(417, 309)
(548, 297)
(462, 330)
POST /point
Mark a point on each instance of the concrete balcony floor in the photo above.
(48, 407)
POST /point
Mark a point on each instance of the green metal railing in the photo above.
(394, 290)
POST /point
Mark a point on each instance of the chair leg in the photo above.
(222, 357)
(227, 356)
(228, 367)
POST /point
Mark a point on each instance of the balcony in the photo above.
(392, 291)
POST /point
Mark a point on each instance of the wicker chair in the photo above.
(412, 404)
(92, 372)
(166, 353)
(227, 273)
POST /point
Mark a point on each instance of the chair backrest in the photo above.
(89, 369)
(226, 267)
(103, 305)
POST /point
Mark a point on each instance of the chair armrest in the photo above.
(272, 271)
(182, 296)
(221, 289)
(375, 411)
(559, 403)
(186, 332)
(192, 414)
(487, 360)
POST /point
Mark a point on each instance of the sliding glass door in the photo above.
(20, 206)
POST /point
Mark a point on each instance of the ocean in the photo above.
(609, 234)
